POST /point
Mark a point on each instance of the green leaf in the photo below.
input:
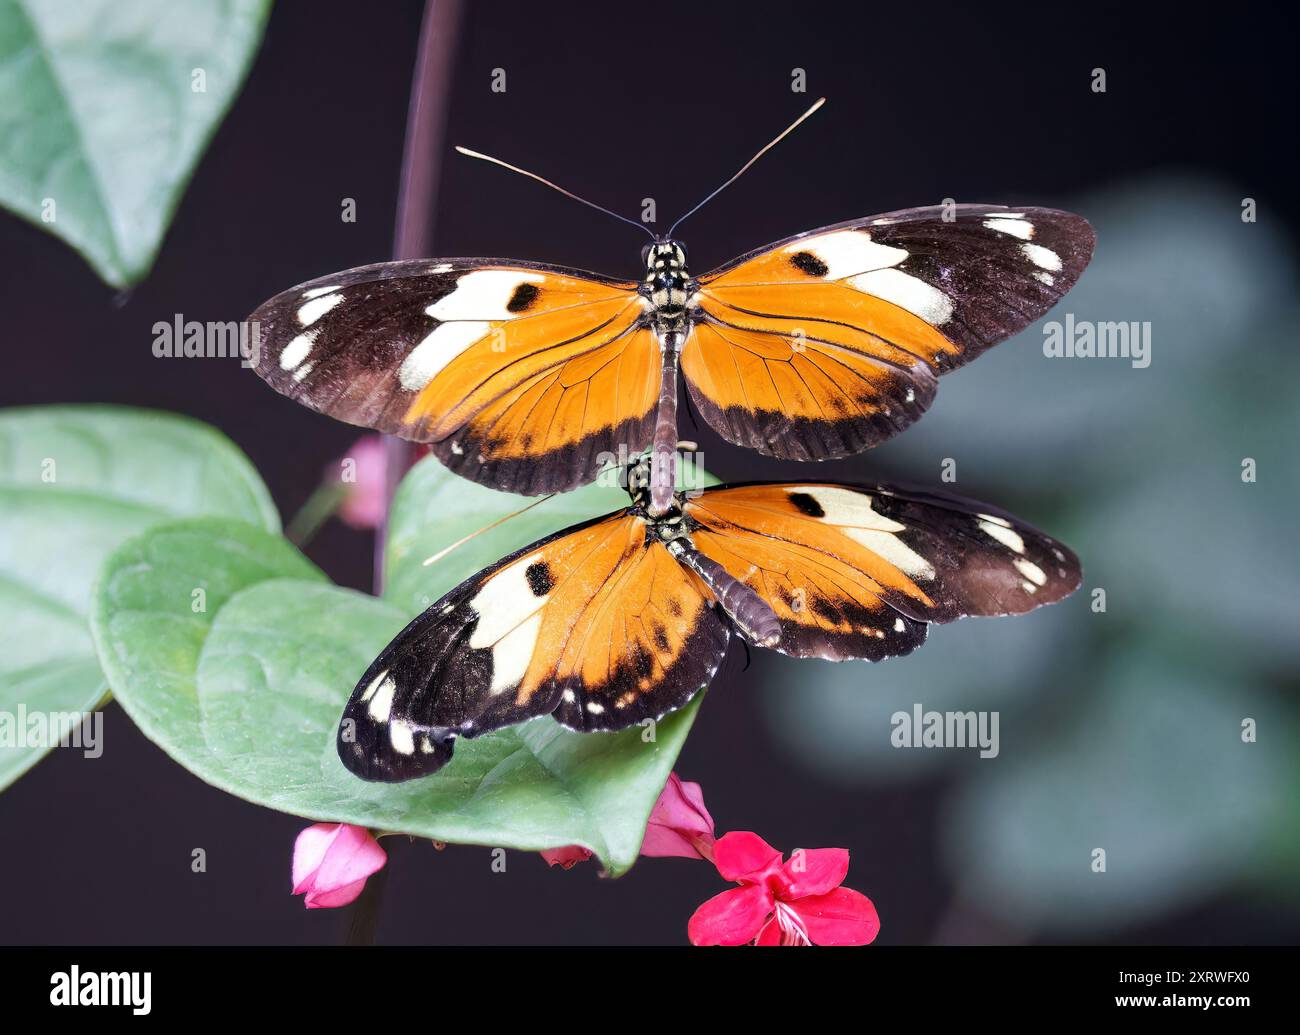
(248, 696)
(75, 482)
(103, 117)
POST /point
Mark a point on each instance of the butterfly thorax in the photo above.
(666, 285)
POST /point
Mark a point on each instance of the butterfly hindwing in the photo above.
(594, 625)
(520, 375)
(829, 342)
(853, 572)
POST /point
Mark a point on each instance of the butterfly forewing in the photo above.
(520, 375)
(853, 572)
(594, 625)
(829, 342)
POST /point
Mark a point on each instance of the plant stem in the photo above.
(321, 504)
(426, 121)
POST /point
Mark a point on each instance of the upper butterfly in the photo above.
(528, 377)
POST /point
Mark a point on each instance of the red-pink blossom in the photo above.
(798, 903)
(364, 477)
(679, 824)
(331, 862)
(568, 856)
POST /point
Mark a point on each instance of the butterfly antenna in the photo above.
(486, 528)
(554, 186)
(744, 168)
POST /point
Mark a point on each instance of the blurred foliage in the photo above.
(1119, 730)
(105, 108)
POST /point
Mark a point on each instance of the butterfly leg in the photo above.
(663, 467)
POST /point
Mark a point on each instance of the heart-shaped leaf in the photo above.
(108, 106)
(75, 482)
(247, 695)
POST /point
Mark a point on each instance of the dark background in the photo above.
(617, 102)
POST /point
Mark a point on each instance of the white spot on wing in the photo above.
(512, 653)
(316, 292)
(296, 351)
(1015, 227)
(443, 344)
(906, 291)
(381, 704)
(310, 312)
(504, 601)
(1044, 258)
(369, 691)
(1031, 571)
(847, 252)
(851, 511)
(1042, 276)
(1008, 537)
(399, 735)
(482, 295)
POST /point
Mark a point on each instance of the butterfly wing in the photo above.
(594, 625)
(519, 375)
(859, 573)
(830, 342)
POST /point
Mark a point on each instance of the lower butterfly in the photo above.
(627, 617)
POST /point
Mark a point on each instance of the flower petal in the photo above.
(732, 918)
(364, 473)
(679, 825)
(351, 856)
(568, 856)
(308, 852)
(744, 856)
(770, 934)
(840, 917)
(335, 898)
(814, 871)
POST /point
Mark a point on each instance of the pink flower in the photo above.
(679, 824)
(331, 862)
(363, 473)
(799, 903)
(568, 856)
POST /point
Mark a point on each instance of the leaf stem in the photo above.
(426, 121)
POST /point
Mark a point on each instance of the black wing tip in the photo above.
(366, 751)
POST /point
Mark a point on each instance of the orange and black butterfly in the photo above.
(528, 377)
(627, 617)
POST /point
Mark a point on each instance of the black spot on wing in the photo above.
(539, 578)
(525, 295)
(807, 262)
(807, 505)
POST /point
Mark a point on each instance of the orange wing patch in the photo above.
(916, 293)
(857, 573)
(832, 591)
(520, 376)
(799, 396)
(642, 645)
